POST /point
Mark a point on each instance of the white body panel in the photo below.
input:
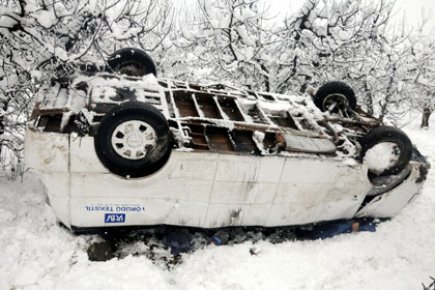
(204, 189)
(392, 202)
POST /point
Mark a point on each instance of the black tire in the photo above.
(155, 155)
(131, 62)
(392, 135)
(335, 92)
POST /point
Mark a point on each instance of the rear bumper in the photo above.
(392, 197)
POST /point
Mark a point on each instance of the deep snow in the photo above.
(36, 253)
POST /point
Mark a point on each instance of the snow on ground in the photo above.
(36, 253)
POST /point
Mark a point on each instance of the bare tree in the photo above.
(332, 40)
(353, 41)
(230, 38)
(422, 70)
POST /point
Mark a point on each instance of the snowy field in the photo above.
(38, 254)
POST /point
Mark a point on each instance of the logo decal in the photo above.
(112, 218)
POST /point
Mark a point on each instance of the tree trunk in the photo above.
(2, 124)
(389, 91)
(369, 97)
(425, 117)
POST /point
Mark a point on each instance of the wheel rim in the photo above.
(133, 139)
(335, 103)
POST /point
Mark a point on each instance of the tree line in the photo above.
(238, 42)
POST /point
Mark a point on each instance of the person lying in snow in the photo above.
(330, 229)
